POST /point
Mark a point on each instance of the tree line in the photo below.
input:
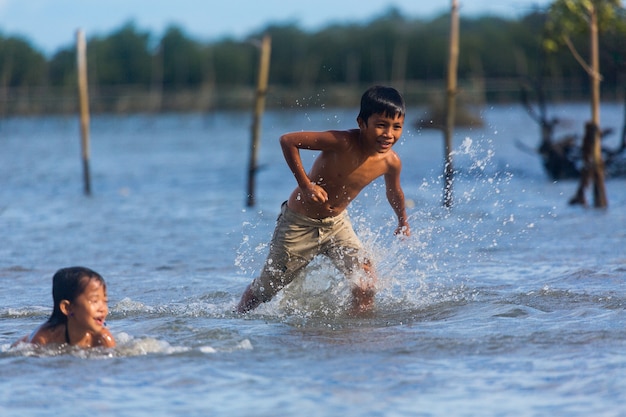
(387, 49)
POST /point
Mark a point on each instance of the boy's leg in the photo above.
(363, 289)
(292, 247)
(360, 274)
(346, 251)
(248, 301)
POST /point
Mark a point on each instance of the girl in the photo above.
(80, 308)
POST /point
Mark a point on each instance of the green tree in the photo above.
(234, 63)
(184, 61)
(20, 64)
(62, 68)
(427, 57)
(336, 54)
(389, 49)
(290, 49)
(121, 58)
(569, 17)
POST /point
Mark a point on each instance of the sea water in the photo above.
(511, 303)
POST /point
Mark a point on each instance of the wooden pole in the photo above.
(599, 190)
(451, 91)
(264, 70)
(593, 164)
(83, 99)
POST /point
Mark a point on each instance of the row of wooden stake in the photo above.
(259, 108)
(262, 84)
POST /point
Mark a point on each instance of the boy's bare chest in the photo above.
(349, 171)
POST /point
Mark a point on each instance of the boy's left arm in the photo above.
(395, 196)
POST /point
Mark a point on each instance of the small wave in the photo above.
(53, 350)
(25, 312)
(127, 346)
(549, 299)
(15, 268)
(514, 313)
(187, 308)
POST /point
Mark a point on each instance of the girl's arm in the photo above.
(106, 339)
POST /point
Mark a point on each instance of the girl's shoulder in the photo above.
(105, 339)
(47, 333)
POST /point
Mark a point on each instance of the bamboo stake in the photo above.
(599, 191)
(593, 167)
(83, 98)
(264, 69)
(453, 59)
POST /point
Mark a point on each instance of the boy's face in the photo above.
(381, 131)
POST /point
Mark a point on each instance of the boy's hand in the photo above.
(314, 193)
(403, 230)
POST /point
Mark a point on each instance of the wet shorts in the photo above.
(297, 240)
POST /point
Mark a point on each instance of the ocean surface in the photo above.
(512, 303)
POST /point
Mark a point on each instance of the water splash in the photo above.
(428, 268)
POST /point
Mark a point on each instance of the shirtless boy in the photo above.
(314, 220)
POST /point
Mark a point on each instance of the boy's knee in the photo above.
(367, 266)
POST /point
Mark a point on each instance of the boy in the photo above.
(314, 220)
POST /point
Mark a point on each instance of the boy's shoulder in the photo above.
(338, 140)
(349, 135)
(346, 133)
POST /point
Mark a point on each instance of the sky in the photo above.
(51, 24)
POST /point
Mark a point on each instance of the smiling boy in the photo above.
(314, 220)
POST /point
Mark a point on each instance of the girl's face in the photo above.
(89, 310)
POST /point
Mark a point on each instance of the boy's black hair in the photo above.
(381, 100)
(68, 284)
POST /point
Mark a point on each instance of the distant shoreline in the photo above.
(137, 99)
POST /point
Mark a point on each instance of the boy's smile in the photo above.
(381, 131)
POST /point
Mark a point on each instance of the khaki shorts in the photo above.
(297, 240)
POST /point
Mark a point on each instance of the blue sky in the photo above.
(51, 24)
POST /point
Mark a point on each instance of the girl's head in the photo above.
(382, 100)
(67, 285)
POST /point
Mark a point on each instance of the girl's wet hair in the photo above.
(381, 100)
(68, 284)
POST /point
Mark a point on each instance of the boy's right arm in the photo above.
(291, 143)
